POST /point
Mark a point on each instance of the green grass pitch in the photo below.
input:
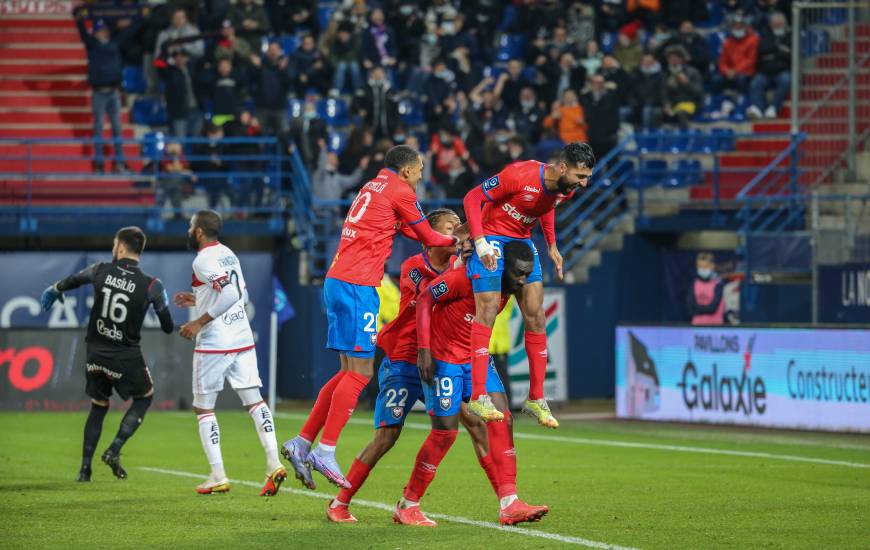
(607, 483)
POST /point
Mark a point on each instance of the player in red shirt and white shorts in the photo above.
(384, 206)
(446, 375)
(504, 209)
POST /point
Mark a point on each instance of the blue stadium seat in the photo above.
(723, 139)
(652, 172)
(664, 141)
(815, 42)
(678, 142)
(511, 46)
(608, 42)
(623, 172)
(324, 14)
(834, 16)
(411, 112)
(133, 80)
(716, 15)
(714, 41)
(689, 172)
(647, 142)
(337, 142)
(148, 111)
(294, 108)
(289, 44)
(152, 146)
(334, 112)
(700, 142)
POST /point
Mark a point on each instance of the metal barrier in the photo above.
(830, 85)
(43, 179)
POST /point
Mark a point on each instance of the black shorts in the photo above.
(127, 374)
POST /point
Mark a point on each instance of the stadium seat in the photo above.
(714, 41)
(411, 113)
(700, 142)
(289, 44)
(652, 172)
(689, 172)
(334, 112)
(815, 42)
(716, 15)
(723, 139)
(324, 14)
(678, 142)
(622, 173)
(148, 111)
(133, 80)
(834, 16)
(294, 108)
(608, 42)
(647, 142)
(511, 46)
(337, 142)
(152, 146)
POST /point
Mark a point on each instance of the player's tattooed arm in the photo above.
(55, 291)
(159, 299)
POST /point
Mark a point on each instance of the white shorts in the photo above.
(211, 369)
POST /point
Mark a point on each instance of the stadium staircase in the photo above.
(45, 109)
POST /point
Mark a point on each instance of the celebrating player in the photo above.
(399, 379)
(512, 202)
(224, 350)
(446, 375)
(122, 293)
(383, 206)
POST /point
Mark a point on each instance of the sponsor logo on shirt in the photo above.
(512, 211)
(111, 333)
(93, 367)
(348, 233)
(491, 183)
(439, 290)
(531, 189)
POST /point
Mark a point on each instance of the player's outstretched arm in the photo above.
(55, 291)
(414, 224)
(159, 300)
(424, 322)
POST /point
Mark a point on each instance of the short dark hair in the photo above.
(435, 216)
(518, 251)
(133, 239)
(210, 222)
(578, 153)
(400, 156)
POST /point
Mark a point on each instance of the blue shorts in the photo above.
(453, 386)
(352, 313)
(400, 388)
(483, 280)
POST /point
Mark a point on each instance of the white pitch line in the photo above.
(635, 445)
(388, 508)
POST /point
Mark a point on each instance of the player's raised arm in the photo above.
(159, 300)
(55, 291)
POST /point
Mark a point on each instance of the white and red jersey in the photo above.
(214, 265)
(514, 200)
(384, 206)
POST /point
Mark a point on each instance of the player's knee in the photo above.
(486, 310)
(362, 366)
(385, 438)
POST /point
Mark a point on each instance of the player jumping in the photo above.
(224, 350)
(446, 375)
(501, 210)
(385, 205)
(399, 378)
(122, 293)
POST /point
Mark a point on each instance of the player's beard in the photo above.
(564, 186)
(192, 243)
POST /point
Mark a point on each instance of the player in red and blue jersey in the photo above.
(501, 210)
(398, 377)
(384, 206)
(445, 369)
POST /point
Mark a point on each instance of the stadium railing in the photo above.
(45, 183)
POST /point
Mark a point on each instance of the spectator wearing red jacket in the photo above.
(737, 61)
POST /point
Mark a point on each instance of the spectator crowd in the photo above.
(475, 85)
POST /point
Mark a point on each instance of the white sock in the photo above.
(210, 436)
(507, 501)
(262, 417)
(405, 503)
(328, 449)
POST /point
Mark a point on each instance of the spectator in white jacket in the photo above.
(180, 28)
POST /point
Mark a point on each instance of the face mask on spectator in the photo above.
(676, 68)
(310, 115)
(738, 33)
(662, 36)
(779, 31)
(446, 140)
(399, 138)
(406, 10)
(705, 273)
(443, 75)
(526, 104)
(448, 27)
(655, 68)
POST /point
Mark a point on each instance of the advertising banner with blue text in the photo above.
(816, 379)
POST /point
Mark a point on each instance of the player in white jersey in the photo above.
(224, 350)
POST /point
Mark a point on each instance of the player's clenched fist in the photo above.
(184, 299)
(190, 330)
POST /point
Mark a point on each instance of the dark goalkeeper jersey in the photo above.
(122, 294)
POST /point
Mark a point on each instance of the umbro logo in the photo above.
(528, 198)
(542, 353)
(481, 351)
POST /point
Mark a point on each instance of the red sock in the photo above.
(431, 453)
(480, 335)
(344, 400)
(501, 448)
(357, 475)
(491, 470)
(317, 416)
(536, 349)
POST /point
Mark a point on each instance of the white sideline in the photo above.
(632, 445)
(388, 508)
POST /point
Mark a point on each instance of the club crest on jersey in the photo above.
(439, 290)
(490, 184)
(415, 276)
(445, 403)
(396, 412)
